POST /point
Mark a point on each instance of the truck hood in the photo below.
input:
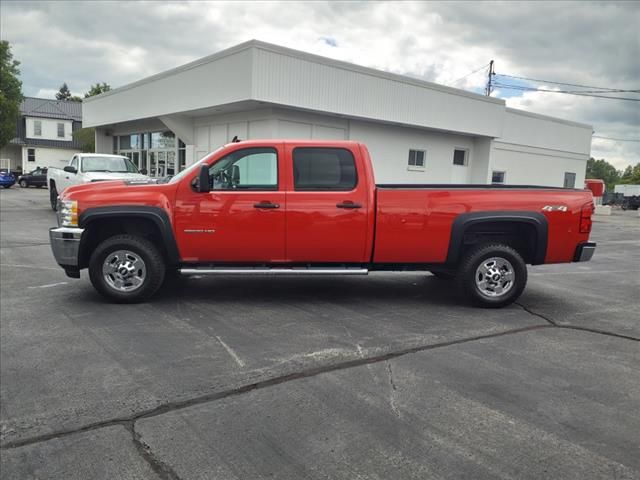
(100, 176)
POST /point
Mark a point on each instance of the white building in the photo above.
(43, 135)
(417, 131)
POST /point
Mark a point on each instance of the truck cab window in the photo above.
(249, 169)
(317, 168)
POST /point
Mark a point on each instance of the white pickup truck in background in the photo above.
(90, 167)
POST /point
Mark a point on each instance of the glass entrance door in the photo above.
(135, 159)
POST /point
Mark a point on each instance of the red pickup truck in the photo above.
(312, 207)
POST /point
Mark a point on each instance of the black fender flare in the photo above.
(156, 214)
(465, 220)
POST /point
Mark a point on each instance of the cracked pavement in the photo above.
(386, 376)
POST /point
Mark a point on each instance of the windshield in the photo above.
(108, 164)
(192, 168)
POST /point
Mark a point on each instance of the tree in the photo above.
(10, 93)
(64, 93)
(604, 171)
(86, 137)
(97, 89)
(631, 175)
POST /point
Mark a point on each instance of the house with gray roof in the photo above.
(44, 135)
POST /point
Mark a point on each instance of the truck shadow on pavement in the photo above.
(377, 288)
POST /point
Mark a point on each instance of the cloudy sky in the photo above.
(586, 43)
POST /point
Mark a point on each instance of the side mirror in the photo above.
(235, 175)
(70, 169)
(203, 185)
(143, 171)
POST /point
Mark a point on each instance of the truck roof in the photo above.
(297, 141)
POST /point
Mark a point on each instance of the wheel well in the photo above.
(520, 236)
(101, 229)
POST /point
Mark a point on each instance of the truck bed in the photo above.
(415, 223)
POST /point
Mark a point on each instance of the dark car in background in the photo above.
(35, 178)
(7, 178)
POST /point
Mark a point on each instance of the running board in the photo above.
(273, 271)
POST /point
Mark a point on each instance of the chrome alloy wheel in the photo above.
(495, 277)
(124, 271)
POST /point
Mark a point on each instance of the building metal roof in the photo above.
(43, 107)
(269, 74)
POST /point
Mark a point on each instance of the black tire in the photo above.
(53, 197)
(443, 274)
(7, 186)
(24, 184)
(154, 265)
(470, 264)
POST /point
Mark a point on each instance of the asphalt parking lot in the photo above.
(386, 376)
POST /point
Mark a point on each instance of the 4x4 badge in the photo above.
(554, 208)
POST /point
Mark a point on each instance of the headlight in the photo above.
(68, 213)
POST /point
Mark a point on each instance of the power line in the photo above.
(521, 87)
(569, 92)
(566, 91)
(468, 74)
(618, 139)
(555, 83)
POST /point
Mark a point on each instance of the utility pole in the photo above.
(487, 90)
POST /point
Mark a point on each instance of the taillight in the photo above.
(585, 217)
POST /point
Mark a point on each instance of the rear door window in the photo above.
(319, 168)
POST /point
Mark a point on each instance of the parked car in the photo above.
(274, 207)
(7, 179)
(88, 168)
(35, 178)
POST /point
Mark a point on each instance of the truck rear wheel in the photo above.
(126, 269)
(492, 275)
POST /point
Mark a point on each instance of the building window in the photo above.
(416, 159)
(131, 142)
(324, 169)
(569, 180)
(31, 154)
(60, 130)
(460, 157)
(498, 177)
(158, 140)
(37, 128)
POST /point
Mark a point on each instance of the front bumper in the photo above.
(65, 245)
(584, 252)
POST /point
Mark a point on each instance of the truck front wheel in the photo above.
(492, 275)
(126, 268)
